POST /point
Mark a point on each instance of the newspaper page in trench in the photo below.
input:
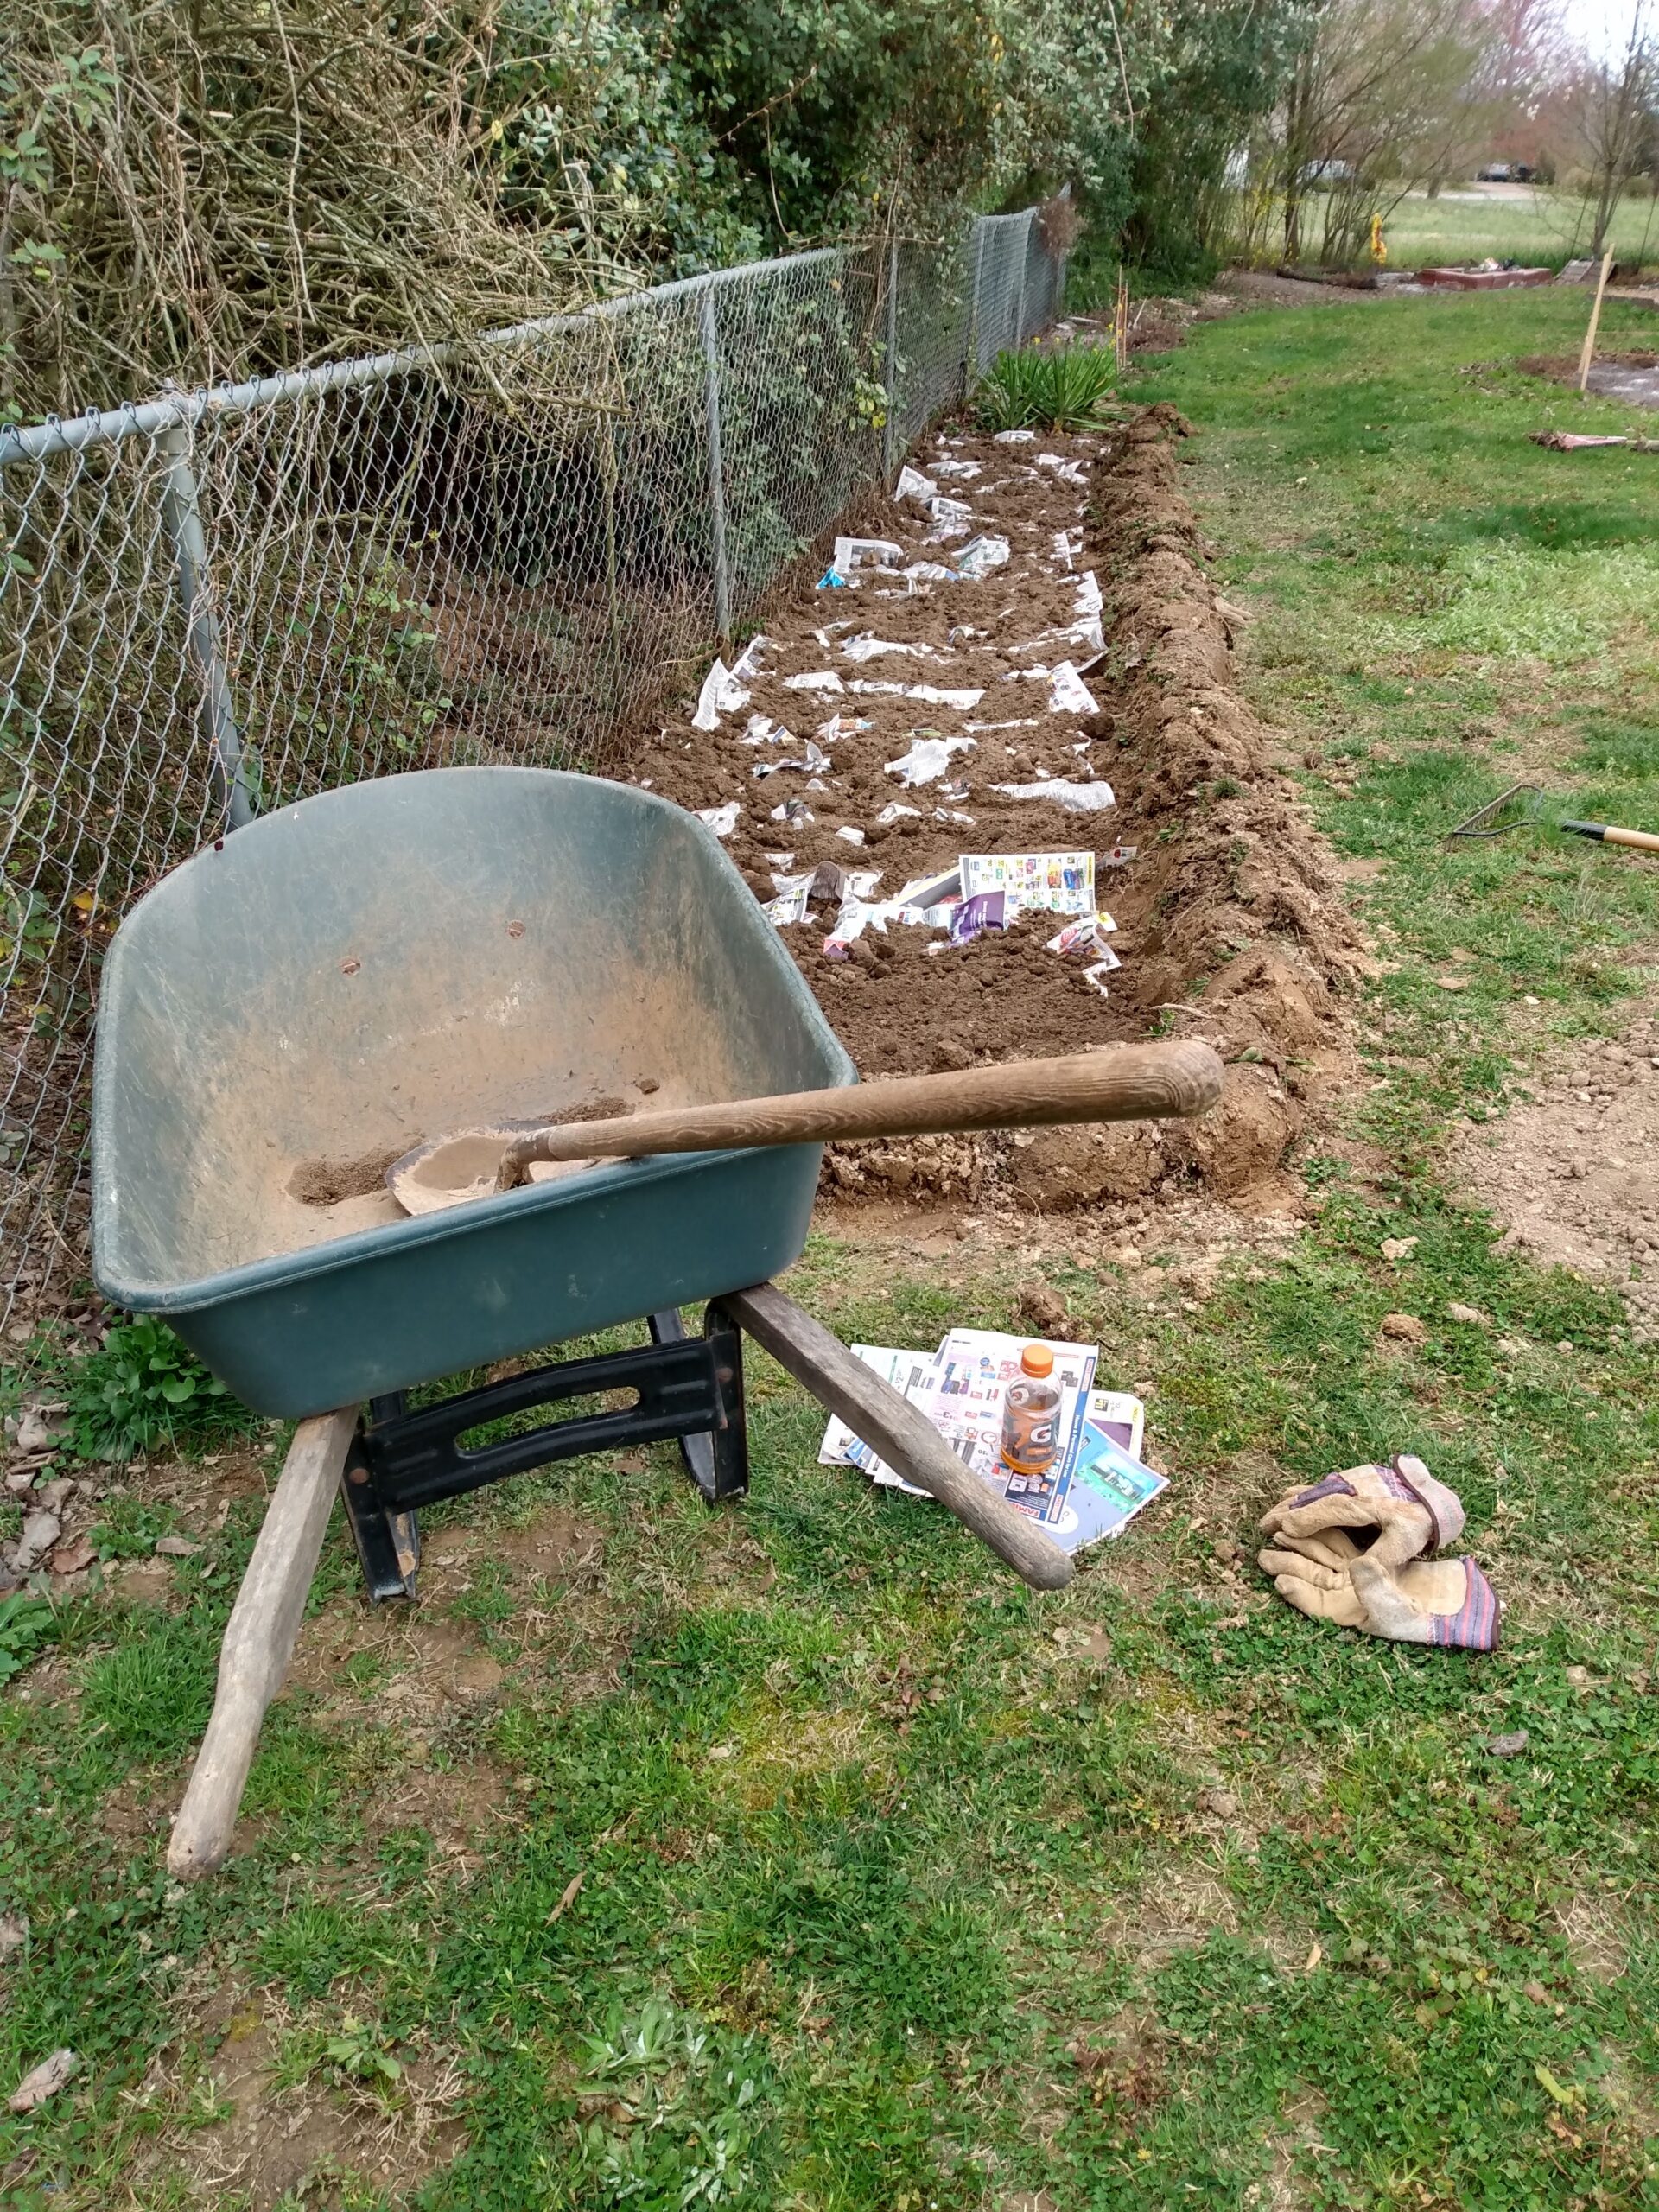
(1058, 883)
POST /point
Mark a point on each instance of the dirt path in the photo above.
(1574, 1171)
(1262, 288)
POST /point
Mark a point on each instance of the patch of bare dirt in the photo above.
(1597, 1941)
(1231, 925)
(133, 1813)
(1177, 1909)
(1123, 2065)
(429, 1678)
(463, 1806)
(1573, 1173)
(1296, 2141)
(1265, 288)
(314, 2141)
(1632, 377)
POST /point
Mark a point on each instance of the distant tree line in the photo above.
(1385, 96)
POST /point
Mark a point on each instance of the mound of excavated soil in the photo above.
(1229, 923)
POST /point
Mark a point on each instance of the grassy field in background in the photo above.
(1461, 224)
(796, 1856)
(1447, 608)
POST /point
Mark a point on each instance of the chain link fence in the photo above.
(215, 603)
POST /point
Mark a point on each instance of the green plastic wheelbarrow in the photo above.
(309, 997)
(338, 982)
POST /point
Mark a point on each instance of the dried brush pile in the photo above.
(195, 191)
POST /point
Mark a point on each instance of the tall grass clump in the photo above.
(1067, 388)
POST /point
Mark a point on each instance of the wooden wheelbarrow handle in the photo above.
(1135, 1083)
(269, 1606)
(889, 1424)
(259, 1641)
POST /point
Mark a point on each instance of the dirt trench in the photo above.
(1230, 926)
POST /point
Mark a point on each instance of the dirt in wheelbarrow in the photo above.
(1230, 922)
(327, 1182)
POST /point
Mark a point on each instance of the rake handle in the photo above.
(1606, 833)
(1137, 1082)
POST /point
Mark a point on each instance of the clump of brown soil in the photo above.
(326, 1182)
(1007, 998)
(1230, 926)
(1243, 938)
(591, 1109)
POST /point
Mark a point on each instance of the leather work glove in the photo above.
(1445, 1601)
(1391, 1514)
(1322, 1562)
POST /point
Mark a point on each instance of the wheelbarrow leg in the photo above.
(717, 1460)
(907, 1439)
(388, 1544)
(259, 1641)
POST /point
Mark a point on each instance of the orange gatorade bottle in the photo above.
(1031, 1414)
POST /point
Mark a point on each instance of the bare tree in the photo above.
(1387, 94)
(1615, 105)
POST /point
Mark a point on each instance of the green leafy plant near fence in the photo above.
(26, 1625)
(1071, 388)
(142, 1389)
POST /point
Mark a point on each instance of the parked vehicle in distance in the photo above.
(1506, 173)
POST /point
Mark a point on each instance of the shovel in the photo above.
(1134, 1083)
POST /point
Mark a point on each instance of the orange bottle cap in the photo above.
(1037, 1359)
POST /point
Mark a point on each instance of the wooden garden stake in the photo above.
(1589, 352)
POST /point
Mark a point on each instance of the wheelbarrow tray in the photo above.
(350, 975)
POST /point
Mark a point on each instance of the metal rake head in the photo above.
(1515, 809)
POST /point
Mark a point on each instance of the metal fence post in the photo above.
(890, 428)
(1025, 269)
(181, 519)
(971, 358)
(716, 463)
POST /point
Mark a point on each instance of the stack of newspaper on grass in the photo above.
(1097, 1482)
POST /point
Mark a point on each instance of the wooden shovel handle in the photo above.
(890, 1425)
(1135, 1083)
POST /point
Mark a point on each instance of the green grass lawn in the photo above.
(796, 1856)
(1547, 226)
(1447, 608)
